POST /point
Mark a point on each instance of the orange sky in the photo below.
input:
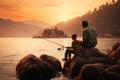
(50, 11)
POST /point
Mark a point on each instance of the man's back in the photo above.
(89, 37)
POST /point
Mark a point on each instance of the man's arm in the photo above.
(84, 37)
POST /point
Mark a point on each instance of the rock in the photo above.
(118, 62)
(76, 63)
(86, 63)
(52, 61)
(115, 46)
(76, 68)
(113, 72)
(87, 52)
(66, 66)
(92, 72)
(115, 55)
(33, 68)
(91, 56)
(112, 76)
(114, 68)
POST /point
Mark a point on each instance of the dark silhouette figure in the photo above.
(75, 49)
(89, 36)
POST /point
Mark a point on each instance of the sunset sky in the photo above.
(50, 11)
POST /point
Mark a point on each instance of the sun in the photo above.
(64, 19)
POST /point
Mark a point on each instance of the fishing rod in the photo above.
(42, 38)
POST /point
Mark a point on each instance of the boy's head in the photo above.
(74, 36)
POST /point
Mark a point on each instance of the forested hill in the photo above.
(105, 19)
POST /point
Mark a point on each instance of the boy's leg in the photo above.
(68, 53)
(70, 56)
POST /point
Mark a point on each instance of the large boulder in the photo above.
(76, 67)
(87, 52)
(112, 76)
(113, 72)
(92, 72)
(72, 68)
(65, 69)
(114, 68)
(114, 47)
(52, 61)
(33, 68)
(114, 53)
(90, 56)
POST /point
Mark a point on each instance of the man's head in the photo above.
(84, 24)
(74, 36)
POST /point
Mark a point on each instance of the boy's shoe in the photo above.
(64, 59)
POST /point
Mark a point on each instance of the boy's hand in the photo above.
(68, 47)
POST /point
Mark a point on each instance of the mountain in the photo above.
(40, 24)
(9, 28)
(70, 26)
(105, 19)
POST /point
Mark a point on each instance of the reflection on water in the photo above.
(13, 49)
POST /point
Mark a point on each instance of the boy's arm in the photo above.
(69, 48)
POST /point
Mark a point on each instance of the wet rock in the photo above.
(85, 64)
(76, 70)
(115, 51)
(33, 68)
(92, 72)
(114, 68)
(112, 76)
(115, 55)
(91, 56)
(52, 61)
(115, 46)
(66, 66)
(87, 52)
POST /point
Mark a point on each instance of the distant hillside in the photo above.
(9, 28)
(40, 24)
(105, 19)
(71, 26)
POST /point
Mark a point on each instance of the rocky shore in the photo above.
(93, 65)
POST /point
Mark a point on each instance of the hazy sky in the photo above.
(51, 11)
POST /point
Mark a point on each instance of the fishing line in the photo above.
(42, 38)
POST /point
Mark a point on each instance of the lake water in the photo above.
(13, 49)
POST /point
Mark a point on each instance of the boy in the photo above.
(75, 49)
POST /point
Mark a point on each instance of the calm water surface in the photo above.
(13, 49)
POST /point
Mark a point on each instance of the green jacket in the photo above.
(89, 37)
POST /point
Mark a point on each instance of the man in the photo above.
(89, 36)
(75, 49)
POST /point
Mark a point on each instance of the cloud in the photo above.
(16, 8)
